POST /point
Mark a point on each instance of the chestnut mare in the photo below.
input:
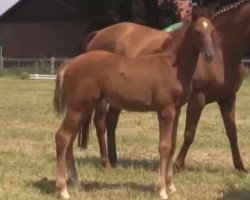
(217, 83)
(159, 82)
(221, 80)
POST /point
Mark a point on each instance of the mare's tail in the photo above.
(83, 135)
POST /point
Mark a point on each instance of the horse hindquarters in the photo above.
(80, 97)
(64, 143)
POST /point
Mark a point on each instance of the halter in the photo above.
(229, 8)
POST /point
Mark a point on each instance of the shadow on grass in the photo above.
(152, 165)
(49, 186)
(45, 185)
(146, 164)
(205, 167)
(91, 186)
(234, 194)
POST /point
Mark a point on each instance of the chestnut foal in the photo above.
(126, 39)
(159, 82)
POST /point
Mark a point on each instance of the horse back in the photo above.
(128, 39)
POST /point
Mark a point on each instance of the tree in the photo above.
(154, 13)
(218, 3)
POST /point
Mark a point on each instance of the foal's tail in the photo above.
(60, 107)
(59, 102)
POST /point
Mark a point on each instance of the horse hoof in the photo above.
(179, 167)
(64, 194)
(241, 169)
(107, 168)
(106, 164)
(113, 162)
(76, 183)
(163, 194)
(172, 188)
(113, 165)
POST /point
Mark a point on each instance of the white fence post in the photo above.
(52, 65)
(1, 58)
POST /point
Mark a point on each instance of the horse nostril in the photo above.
(208, 56)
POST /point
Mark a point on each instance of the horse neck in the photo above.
(235, 28)
(186, 55)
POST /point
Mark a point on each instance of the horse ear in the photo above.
(202, 12)
(208, 11)
(195, 12)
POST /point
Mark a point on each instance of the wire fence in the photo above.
(31, 65)
(44, 65)
(246, 61)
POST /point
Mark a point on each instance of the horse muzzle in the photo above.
(208, 56)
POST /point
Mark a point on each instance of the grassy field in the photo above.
(27, 152)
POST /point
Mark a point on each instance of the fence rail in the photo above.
(246, 60)
(42, 77)
(52, 61)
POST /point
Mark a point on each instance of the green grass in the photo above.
(27, 152)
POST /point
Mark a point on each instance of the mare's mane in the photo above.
(228, 8)
(223, 14)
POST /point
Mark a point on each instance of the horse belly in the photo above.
(129, 95)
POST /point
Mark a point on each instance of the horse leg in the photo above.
(195, 106)
(112, 120)
(169, 172)
(166, 120)
(227, 109)
(71, 169)
(63, 138)
(100, 124)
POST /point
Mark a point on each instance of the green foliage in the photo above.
(2, 73)
(24, 75)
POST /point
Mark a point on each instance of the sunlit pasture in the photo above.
(27, 152)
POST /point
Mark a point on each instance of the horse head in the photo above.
(203, 32)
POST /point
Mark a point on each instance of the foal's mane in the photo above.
(199, 12)
(228, 8)
(178, 34)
